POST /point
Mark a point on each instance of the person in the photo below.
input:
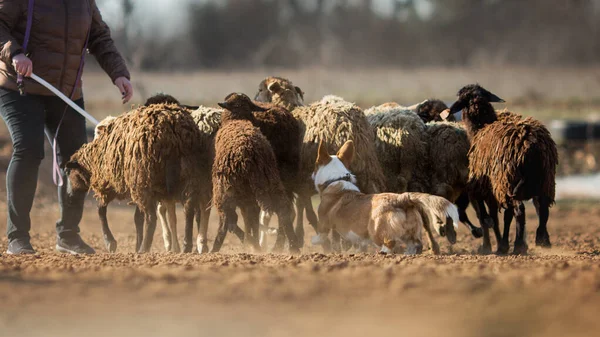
(59, 33)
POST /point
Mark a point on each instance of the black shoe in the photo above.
(73, 244)
(20, 247)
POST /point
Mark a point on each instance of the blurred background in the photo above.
(541, 56)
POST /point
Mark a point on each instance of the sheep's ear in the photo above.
(457, 106)
(100, 129)
(300, 92)
(223, 105)
(274, 87)
(346, 153)
(445, 114)
(323, 157)
(495, 99)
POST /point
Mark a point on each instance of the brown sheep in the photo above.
(511, 160)
(332, 119)
(148, 155)
(245, 174)
(279, 127)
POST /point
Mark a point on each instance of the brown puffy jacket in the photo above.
(57, 38)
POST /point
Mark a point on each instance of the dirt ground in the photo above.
(548, 293)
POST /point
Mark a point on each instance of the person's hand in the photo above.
(23, 65)
(125, 88)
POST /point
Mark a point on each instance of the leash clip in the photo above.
(21, 87)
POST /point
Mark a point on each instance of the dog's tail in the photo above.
(440, 208)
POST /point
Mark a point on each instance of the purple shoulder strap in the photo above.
(26, 40)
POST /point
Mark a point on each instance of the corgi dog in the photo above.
(383, 220)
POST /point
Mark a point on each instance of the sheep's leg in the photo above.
(138, 218)
(493, 212)
(251, 216)
(286, 220)
(166, 231)
(336, 240)
(109, 239)
(172, 216)
(310, 213)
(300, 220)
(265, 219)
(520, 244)
(542, 207)
(221, 233)
(188, 231)
(435, 248)
(486, 246)
(462, 204)
(202, 240)
(503, 245)
(150, 228)
(227, 219)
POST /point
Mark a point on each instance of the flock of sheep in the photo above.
(259, 155)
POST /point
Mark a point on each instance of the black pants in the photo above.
(27, 118)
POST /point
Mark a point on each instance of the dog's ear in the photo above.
(323, 157)
(346, 153)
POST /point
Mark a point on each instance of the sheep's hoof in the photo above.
(436, 250)
(502, 249)
(484, 250)
(188, 248)
(520, 249)
(203, 248)
(477, 232)
(111, 246)
(543, 241)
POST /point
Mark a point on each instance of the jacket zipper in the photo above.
(66, 41)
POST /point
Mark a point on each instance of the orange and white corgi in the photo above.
(384, 219)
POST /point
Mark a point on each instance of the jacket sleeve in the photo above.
(102, 46)
(10, 10)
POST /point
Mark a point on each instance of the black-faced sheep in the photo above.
(430, 111)
(147, 155)
(511, 160)
(245, 174)
(332, 119)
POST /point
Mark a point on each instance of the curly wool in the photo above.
(335, 122)
(245, 169)
(401, 147)
(448, 148)
(509, 151)
(150, 154)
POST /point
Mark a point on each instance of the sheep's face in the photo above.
(78, 178)
(281, 92)
(240, 104)
(431, 109)
(471, 94)
(330, 169)
(103, 126)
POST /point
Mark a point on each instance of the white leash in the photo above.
(65, 98)
(56, 174)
